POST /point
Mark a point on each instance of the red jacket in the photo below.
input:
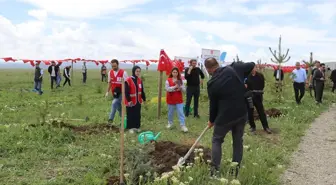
(175, 97)
(116, 80)
(132, 91)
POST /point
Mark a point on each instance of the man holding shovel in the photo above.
(228, 111)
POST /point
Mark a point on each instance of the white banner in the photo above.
(207, 53)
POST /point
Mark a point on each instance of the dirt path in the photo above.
(315, 161)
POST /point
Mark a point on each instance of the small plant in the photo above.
(138, 164)
(43, 111)
(80, 99)
(237, 59)
(279, 58)
(99, 89)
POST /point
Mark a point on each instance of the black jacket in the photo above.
(333, 76)
(56, 70)
(66, 72)
(281, 74)
(243, 69)
(193, 77)
(318, 75)
(226, 94)
(256, 82)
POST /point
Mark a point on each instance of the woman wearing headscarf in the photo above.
(134, 96)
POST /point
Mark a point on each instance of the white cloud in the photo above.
(84, 8)
(38, 14)
(268, 9)
(325, 11)
(143, 35)
(222, 8)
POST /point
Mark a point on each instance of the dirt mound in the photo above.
(166, 155)
(88, 129)
(113, 180)
(272, 112)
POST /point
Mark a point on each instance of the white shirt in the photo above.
(299, 75)
(278, 74)
(84, 68)
(115, 74)
(53, 71)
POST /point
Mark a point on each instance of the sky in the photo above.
(138, 29)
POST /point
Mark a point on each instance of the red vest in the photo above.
(175, 97)
(116, 80)
(132, 91)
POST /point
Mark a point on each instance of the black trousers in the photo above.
(103, 78)
(278, 85)
(258, 104)
(219, 133)
(319, 88)
(192, 91)
(53, 80)
(134, 116)
(299, 91)
(84, 77)
(67, 80)
(333, 87)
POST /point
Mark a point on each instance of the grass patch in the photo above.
(49, 154)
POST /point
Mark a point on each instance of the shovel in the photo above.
(182, 160)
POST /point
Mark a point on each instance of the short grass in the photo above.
(48, 155)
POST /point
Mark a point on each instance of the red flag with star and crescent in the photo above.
(164, 61)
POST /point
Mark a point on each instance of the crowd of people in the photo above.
(234, 91)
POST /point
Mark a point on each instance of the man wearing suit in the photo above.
(228, 110)
(318, 80)
(279, 76)
(53, 71)
(333, 79)
(311, 80)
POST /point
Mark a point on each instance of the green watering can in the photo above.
(190, 109)
(148, 136)
(125, 122)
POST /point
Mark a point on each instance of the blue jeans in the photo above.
(58, 80)
(116, 105)
(38, 86)
(180, 113)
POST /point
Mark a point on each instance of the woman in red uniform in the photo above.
(135, 95)
(174, 98)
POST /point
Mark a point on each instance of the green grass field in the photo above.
(52, 155)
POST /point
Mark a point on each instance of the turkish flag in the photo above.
(164, 61)
(147, 63)
(8, 59)
(46, 62)
(103, 61)
(27, 60)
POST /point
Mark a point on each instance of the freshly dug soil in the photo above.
(113, 180)
(272, 112)
(167, 154)
(88, 129)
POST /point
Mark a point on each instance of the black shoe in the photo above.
(253, 130)
(268, 131)
(197, 116)
(234, 172)
(214, 173)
